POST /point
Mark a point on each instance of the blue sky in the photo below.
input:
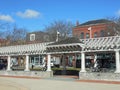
(35, 14)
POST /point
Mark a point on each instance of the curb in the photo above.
(99, 81)
(26, 77)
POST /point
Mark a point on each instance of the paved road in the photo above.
(6, 84)
(9, 83)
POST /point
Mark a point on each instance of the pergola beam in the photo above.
(38, 48)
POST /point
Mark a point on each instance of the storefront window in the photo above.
(36, 60)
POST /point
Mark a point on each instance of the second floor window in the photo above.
(32, 37)
(87, 35)
(95, 34)
(102, 33)
(82, 35)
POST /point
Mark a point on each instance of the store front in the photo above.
(71, 51)
(21, 57)
(103, 52)
(36, 61)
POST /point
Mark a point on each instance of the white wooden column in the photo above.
(83, 62)
(27, 63)
(48, 62)
(117, 57)
(95, 58)
(8, 64)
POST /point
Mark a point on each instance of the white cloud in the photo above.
(7, 18)
(29, 14)
(118, 12)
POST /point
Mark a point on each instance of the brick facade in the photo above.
(97, 30)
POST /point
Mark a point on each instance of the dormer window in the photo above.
(32, 37)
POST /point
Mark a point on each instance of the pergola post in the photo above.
(27, 63)
(95, 58)
(8, 63)
(117, 55)
(83, 62)
(75, 60)
(49, 62)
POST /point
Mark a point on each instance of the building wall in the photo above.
(96, 28)
(4, 42)
(39, 37)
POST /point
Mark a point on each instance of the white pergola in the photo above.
(28, 49)
(94, 45)
(102, 44)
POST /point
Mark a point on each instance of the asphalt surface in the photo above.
(56, 83)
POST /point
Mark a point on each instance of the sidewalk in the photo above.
(59, 83)
(10, 85)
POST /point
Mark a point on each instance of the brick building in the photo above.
(92, 29)
(4, 42)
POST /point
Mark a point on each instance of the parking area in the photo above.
(26, 83)
(6, 84)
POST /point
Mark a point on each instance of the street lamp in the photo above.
(90, 28)
(57, 36)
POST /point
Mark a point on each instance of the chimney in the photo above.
(77, 23)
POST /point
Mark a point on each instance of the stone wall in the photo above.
(28, 73)
(99, 76)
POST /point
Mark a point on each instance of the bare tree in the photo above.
(18, 35)
(10, 34)
(3, 27)
(113, 28)
(14, 35)
(63, 27)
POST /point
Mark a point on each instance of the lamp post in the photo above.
(90, 28)
(57, 36)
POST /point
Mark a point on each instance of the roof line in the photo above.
(65, 45)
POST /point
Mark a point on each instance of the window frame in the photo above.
(82, 35)
(95, 34)
(32, 37)
(87, 35)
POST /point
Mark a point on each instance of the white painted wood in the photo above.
(117, 55)
(82, 62)
(8, 64)
(49, 62)
(27, 63)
